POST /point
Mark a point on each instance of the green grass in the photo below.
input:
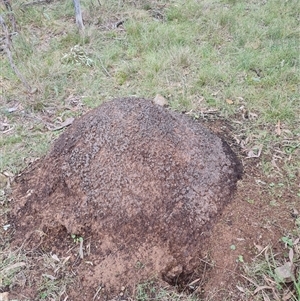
(241, 51)
(264, 282)
(50, 277)
(198, 55)
(148, 291)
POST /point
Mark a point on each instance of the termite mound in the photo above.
(142, 185)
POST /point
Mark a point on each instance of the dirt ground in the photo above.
(254, 219)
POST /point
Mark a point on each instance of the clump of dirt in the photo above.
(140, 184)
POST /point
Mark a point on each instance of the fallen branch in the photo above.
(7, 48)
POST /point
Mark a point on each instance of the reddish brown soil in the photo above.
(255, 218)
(144, 184)
(248, 222)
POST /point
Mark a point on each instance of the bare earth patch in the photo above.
(254, 221)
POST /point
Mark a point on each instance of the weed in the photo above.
(139, 265)
(240, 258)
(76, 238)
(11, 265)
(287, 241)
(233, 247)
(77, 56)
(50, 288)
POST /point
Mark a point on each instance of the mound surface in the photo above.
(140, 184)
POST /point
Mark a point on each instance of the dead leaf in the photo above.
(4, 296)
(255, 152)
(285, 272)
(160, 100)
(64, 124)
(266, 298)
(195, 281)
(33, 91)
(278, 129)
(287, 296)
(55, 257)
(8, 174)
(291, 255)
(260, 182)
(258, 247)
(241, 289)
(11, 110)
(256, 44)
(66, 260)
(229, 101)
(262, 288)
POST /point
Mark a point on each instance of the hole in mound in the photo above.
(57, 236)
(181, 282)
(192, 282)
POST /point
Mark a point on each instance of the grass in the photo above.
(51, 278)
(150, 291)
(265, 282)
(237, 57)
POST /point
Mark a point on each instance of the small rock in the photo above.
(160, 100)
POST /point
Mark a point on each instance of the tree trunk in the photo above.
(78, 14)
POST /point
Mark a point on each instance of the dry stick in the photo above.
(9, 55)
(36, 2)
(11, 14)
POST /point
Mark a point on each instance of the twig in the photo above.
(35, 2)
(11, 14)
(9, 55)
(97, 292)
